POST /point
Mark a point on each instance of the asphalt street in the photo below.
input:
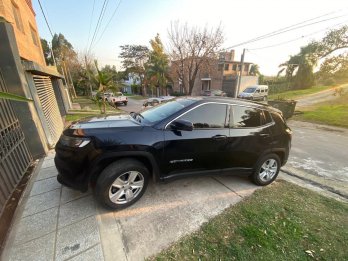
(320, 153)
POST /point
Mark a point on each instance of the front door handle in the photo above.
(219, 137)
(264, 135)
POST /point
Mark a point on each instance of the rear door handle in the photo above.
(219, 137)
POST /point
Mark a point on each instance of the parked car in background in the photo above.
(118, 155)
(157, 100)
(214, 93)
(255, 92)
(117, 99)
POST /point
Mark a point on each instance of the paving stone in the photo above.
(50, 154)
(69, 194)
(95, 253)
(48, 163)
(36, 225)
(41, 202)
(76, 210)
(37, 249)
(47, 173)
(45, 185)
(76, 238)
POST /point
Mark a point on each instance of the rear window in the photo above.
(267, 117)
(245, 117)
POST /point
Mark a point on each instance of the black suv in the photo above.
(117, 155)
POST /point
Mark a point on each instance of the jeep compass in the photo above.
(117, 155)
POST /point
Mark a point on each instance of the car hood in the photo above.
(244, 94)
(111, 121)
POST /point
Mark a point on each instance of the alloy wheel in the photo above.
(268, 170)
(126, 187)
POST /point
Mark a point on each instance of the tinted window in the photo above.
(245, 117)
(267, 117)
(209, 115)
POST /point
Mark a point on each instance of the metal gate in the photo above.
(15, 157)
(49, 105)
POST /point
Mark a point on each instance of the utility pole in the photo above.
(240, 74)
(89, 77)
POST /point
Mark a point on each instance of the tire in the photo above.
(262, 176)
(120, 174)
(125, 103)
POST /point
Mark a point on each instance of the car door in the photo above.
(201, 149)
(249, 137)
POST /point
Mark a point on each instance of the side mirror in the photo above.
(181, 125)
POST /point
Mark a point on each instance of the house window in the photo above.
(246, 68)
(227, 67)
(220, 67)
(34, 35)
(17, 17)
(234, 67)
(239, 67)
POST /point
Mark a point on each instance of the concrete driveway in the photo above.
(55, 223)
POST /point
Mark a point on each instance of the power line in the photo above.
(101, 15)
(286, 29)
(112, 16)
(49, 28)
(295, 39)
(90, 25)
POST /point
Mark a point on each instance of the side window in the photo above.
(245, 117)
(209, 115)
(267, 118)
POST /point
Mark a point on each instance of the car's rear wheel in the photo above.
(266, 170)
(122, 183)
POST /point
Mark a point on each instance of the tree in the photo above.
(46, 52)
(334, 67)
(134, 60)
(255, 70)
(303, 63)
(192, 48)
(104, 83)
(299, 68)
(157, 67)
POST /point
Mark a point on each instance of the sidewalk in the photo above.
(53, 222)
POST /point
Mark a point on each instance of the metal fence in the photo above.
(15, 157)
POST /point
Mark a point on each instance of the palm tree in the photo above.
(13, 97)
(103, 81)
(255, 70)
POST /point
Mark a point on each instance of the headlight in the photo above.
(75, 142)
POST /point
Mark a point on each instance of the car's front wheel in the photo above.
(121, 183)
(266, 170)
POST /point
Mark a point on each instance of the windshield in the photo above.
(250, 90)
(165, 110)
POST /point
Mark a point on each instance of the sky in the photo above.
(138, 21)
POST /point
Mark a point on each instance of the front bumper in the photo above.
(70, 175)
(73, 165)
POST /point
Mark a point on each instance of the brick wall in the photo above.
(28, 49)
